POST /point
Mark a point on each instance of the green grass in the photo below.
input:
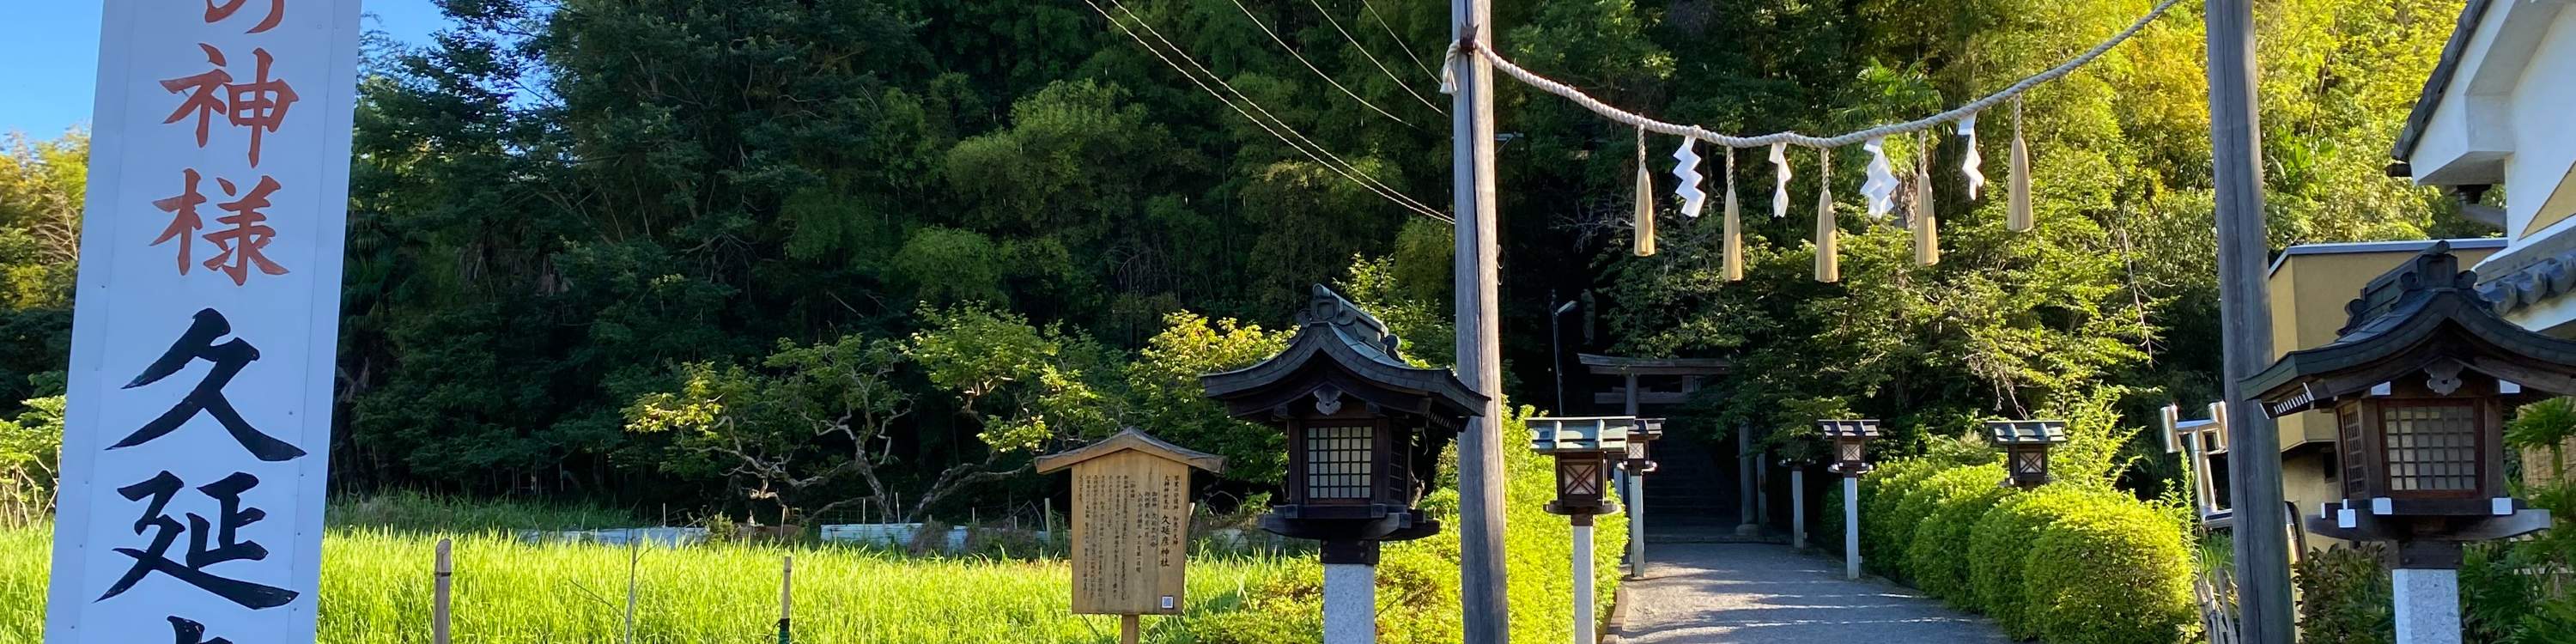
(376, 589)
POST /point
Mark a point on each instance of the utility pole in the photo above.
(1480, 350)
(2235, 140)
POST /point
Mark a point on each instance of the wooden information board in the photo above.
(1131, 513)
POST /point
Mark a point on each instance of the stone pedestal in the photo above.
(1350, 604)
(2428, 605)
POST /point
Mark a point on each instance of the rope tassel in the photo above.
(1645, 201)
(1734, 227)
(2018, 217)
(1828, 236)
(1927, 226)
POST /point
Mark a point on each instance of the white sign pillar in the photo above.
(1851, 526)
(2428, 605)
(1798, 507)
(206, 324)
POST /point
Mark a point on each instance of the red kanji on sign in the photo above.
(183, 221)
(260, 104)
(243, 243)
(202, 89)
(276, 12)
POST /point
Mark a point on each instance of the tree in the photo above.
(1025, 389)
(1170, 403)
(795, 427)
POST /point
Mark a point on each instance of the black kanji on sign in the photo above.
(227, 545)
(229, 358)
(190, 632)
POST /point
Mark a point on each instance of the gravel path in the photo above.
(1715, 593)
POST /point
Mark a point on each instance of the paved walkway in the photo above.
(1722, 593)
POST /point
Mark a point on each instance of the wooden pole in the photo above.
(441, 576)
(1798, 507)
(1129, 630)
(1482, 598)
(786, 598)
(634, 556)
(2262, 564)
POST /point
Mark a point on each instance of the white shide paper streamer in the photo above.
(1880, 190)
(1686, 168)
(1780, 189)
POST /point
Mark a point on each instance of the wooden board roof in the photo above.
(1126, 440)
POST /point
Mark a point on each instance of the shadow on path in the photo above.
(1715, 593)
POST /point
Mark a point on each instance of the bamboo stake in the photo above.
(634, 556)
(786, 598)
(441, 576)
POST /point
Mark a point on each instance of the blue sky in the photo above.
(54, 46)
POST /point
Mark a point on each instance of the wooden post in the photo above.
(1798, 507)
(1128, 630)
(441, 576)
(786, 598)
(1745, 462)
(634, 556)
(2262, 564)
(1483, 602)
(1636, 525)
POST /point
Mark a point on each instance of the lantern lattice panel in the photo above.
(2031, 462)
(1338, 462)
(2432, 446)
(1580, 478)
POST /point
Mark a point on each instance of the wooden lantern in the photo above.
(2419, 382)
(1131, 517)
(1851, 440)
(1364, 427)
(2026, 444)
(1584, 450)
(1637, 462)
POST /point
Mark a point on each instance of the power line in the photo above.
(1399, 40)
(1350, 171)
(1344, 168)
(1310, 65)
(1372, 58)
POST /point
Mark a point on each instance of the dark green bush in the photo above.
(1998, 545)
(1938, 556)
(2344, 596)
(2109, 570)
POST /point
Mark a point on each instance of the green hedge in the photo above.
(1955, 499)
(2115, 572)
(2062, 564)
(1882, 534)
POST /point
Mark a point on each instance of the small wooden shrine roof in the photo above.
(1622, 365)
(1126, 440)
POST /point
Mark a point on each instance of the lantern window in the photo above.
(1338, 462)
(1580, 478)
(2432, 446)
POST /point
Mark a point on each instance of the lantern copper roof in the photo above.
(2026, 432)
(1342, 350)
(1607, 434)
(1848, 428)
(2424, 315)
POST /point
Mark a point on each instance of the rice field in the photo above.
(376, 590)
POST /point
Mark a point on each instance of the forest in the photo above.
(777, 258)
